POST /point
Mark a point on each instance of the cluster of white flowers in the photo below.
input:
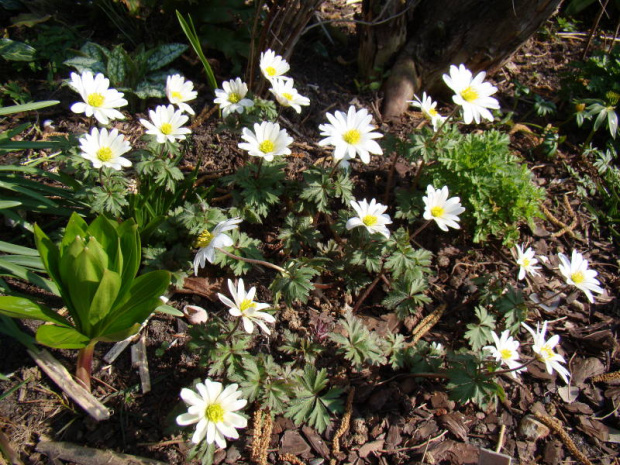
(105, 148)
(471, 93)
(575, 270)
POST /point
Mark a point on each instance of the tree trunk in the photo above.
(482, 34)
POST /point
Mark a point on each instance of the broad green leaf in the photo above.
(140, 301)
(19, 307)
(96, 51)
(116, 67)
(106, 235)
(76, 226)
(13, 50)
(105, 296)
(164, 55)
(50, 256)
(148, 89)
(82, 64)
(27, 107)
(130, 246)
(169, 310)
(61, 337)
(10, 328)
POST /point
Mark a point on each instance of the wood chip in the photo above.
(59, 374)
(89, 456)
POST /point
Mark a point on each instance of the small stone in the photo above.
(532, 429)
(232, 455)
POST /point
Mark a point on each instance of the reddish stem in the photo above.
(85, 365)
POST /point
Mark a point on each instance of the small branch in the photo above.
(252, 261)
(367, 292)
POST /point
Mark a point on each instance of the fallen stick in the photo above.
(89, 456)
(140, 361)
(59, 374)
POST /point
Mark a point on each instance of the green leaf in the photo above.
(7, 247)
(50, 257)
(18, 307)
(16, 51)
(479, 334)
(61, 337)
(117, 66)
(104, 298)
(164, 55)
(194, 40)
(28, 275)
(27, 107)
(82, 64)
(147, 89)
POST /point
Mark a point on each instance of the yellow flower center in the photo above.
(469, 94)
(287, 96)
(525, 263)
(578, 277)
(204, 239)
(246, 305)
(270, 70)
(95, 99)
(215, 413)
(104, 154)
(580, 107)
(176, 95)
(506, 354)
(437, 211)
(166, 128)
(352, 136)
(432, 112)
(369, 220)
(266, 146)
(546, 353)
(233, 97)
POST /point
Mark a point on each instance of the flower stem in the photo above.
(440, 128)
(508, 370)
(234, 330)
(331, 175)
(252, 260)
(367, 292)
(259, 165)
(390, 179)
(85, 364)
(420, 229)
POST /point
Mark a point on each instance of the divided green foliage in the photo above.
(468, 383)
(321, 188)
(360, 346)
(479, 334)
(311, 404)
(495, 187)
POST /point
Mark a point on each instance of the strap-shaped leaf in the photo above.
(50, 257)
(61, 337)
(27, 107)
(26, 309)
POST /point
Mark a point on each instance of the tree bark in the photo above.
(482, 34)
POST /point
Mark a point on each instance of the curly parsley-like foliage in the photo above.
(495, 187)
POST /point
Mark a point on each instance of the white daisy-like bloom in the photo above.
(438, 207)
(166, 124)
(179, 91)
(232, 97)
(544, 350)
(351, 134)
(286, 94)
(103, 148)
(505, 351)
(471, 93)
(437, 349)
(526, 261)
(212, 409)
(428, 108)
(371, 216)
(267, 141)
(99, 100)
(244, 306)
(576, 273)
(208, 242)
(273, 66)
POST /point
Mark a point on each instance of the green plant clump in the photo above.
(496, 189)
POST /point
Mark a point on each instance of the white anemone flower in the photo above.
(208, 242)
(99, 100)
(179, 91)
(286, 94)
(471, 93)
(267, 140)
(428, 108)
(526, 261)
(212, 409)
(371, 216)
(505, 351)
(166, 124)
(544, 350)
(438, 207)
(244, 306)
(103, 148)
(273, 66)
(577, 274)
(232, 98)
(351, 134)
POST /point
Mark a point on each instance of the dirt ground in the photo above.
(395, 419)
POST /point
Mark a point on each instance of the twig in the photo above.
(89, 456)
(556, 427)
